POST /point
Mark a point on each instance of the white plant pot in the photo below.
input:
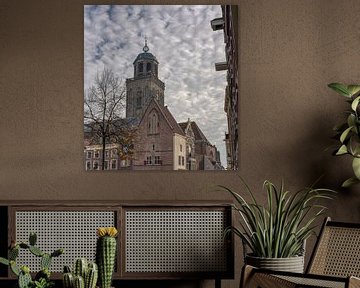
(291, 264)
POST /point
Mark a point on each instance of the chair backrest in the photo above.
(337, 251)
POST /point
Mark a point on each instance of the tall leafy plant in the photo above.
(348, 132)
(279, 229)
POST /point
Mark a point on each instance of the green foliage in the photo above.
(279, 229)
(42, 278)
(42, 283)
(348, 132)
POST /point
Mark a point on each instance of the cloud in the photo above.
(181, 38)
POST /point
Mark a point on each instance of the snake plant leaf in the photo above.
(341, 89)
(356, 167)
(355, 103)
(353, 89)
(349, 182)
(342, 150)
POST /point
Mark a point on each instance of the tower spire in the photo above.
(146, 48)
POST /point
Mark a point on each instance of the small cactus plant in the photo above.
(42, 278)
(105, 254)
(85, 275)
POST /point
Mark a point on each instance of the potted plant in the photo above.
(348, 132)
(276, 233)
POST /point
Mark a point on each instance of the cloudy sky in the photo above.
(181, 39)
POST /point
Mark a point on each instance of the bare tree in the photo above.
(104, 111)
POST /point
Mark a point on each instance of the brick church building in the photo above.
(161, 143)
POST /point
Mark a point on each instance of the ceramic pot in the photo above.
(291, 264)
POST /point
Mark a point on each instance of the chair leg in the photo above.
(246, 273)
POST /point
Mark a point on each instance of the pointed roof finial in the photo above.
(146, 48)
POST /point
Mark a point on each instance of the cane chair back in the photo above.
(337, 252)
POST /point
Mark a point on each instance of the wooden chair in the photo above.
(335, 262)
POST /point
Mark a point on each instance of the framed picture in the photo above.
(159, 87)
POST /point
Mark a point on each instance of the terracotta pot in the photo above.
(291, 264)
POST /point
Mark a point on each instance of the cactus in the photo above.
(4, 261)
(42, 278)
(79, 282)
(88, 273)
(36, 251)
(45, 261)
(57, 253)
(32, 238)
(13, 253)
(105, 254)
(24, 280)
(14, 268)
(80, 267)
(44, 273)
(68, 280)
(91, 276)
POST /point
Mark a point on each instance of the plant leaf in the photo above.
(342, 150)
(353, 89)
(4, 261)
(355, 103)
(349, 182)
(356, 167)
(345, 134)
(340, 88)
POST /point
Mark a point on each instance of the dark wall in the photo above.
(289, 52)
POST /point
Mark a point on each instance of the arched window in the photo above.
(140, 67)
(153, 123)
(148, 67)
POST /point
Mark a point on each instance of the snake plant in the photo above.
(279, 228)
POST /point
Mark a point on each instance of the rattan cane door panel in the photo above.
(74, 231)
(175, 241)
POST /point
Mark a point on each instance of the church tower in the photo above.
(145, 85)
